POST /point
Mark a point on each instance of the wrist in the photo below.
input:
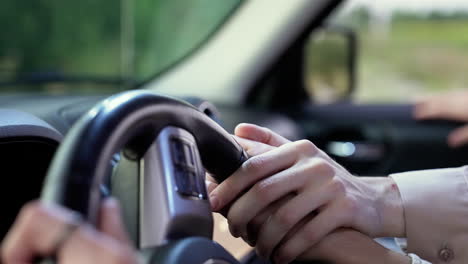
(389, 207)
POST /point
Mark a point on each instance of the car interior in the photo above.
(148, 142)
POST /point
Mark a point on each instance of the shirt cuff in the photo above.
(435, 204)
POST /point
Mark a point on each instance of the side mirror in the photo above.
(330, 64)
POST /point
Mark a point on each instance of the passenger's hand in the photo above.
(451, 106)
(42, 230)
(274, 190)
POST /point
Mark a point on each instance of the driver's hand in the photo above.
(42, 230)
(268, 196)
(346, 246)
(449, 106)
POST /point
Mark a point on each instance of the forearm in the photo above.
(376, 254)
(346, 246)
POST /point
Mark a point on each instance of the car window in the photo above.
(113, 44)
(407, 49)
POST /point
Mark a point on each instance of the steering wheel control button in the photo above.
(173, 192)
(186, 170)
(446, 254)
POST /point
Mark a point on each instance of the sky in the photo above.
(387, 6)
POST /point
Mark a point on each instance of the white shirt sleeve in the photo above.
(436, 213)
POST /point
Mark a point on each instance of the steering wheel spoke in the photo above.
(173, 191)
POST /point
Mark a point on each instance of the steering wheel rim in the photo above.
(132, 119)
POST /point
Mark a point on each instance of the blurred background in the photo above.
(407, 49)
(63, 46)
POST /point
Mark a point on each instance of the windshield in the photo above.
(94, 46)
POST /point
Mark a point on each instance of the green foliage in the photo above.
(167, 30)
(102, 38)
(416, 54)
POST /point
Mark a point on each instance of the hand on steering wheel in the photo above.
(290, 195)
(51, 230)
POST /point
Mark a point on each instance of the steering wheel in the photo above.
(169, 143)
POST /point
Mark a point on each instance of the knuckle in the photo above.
(318, 168)
(264, 190)
(255, 164)
(337, 187)
(306, 147)
(323, 167)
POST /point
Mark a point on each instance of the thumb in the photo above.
(110, 220)
(260, 134)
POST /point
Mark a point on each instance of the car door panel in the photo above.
(379, 139)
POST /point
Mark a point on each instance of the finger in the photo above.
(35, 232)
(458, 137)
(210, 183)
(315, 230)
(89, 246)
(110, 220)
(270, 189)
(210, 186)
(259, 167)
(253, 148)
(442, 107)
(325, 249)
(288, 216)
(254, 226)
(260, 134)
(39, 227)
(354, 248)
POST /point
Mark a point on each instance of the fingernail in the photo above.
(214, 203)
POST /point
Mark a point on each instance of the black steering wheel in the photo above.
(169, 142)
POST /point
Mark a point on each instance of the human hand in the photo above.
(252, 148)
(347, 246)
(451, 106)
(42, 230)
(274, 190)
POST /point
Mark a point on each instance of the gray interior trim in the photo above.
(15, 123)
